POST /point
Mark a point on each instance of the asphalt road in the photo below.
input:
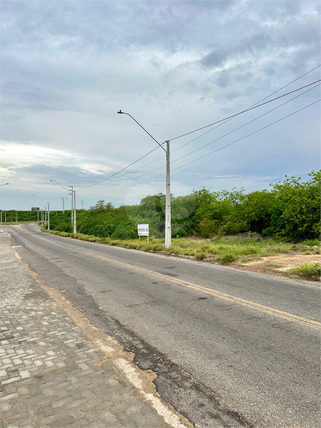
(230, 348)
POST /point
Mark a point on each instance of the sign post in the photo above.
(143, 230)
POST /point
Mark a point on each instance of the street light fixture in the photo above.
(168, 231)
(4, 184)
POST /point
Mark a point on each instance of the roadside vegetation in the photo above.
(221, 249)
(15, 217)
(223, 227)
(289, 211)
(307, 270)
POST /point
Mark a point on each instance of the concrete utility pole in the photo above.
(45, 212)
(71, 192)
(75, 224)
(73, 208)
(63, 199)
(168, 223)
(48, 217)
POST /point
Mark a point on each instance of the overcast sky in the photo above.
(175, 66)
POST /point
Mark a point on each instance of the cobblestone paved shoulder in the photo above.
(51, 375)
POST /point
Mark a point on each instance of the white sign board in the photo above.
(143, 229)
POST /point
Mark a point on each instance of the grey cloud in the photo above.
(252, 45)
(221, 5)
(215, 58)
(239, 73)
(223, 79)
(64, 174)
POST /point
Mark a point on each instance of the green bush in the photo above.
(307, 270)
(228, 257)
(123, 232)
(289, 211)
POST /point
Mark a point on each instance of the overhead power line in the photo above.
(118, 172)
(220, 122)
(249, 135)
(225, 135)
(242, 126)
(226, 145)
(223, 122)
(244, 111)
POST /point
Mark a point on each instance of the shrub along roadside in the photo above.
(307, 270)
(289, 211)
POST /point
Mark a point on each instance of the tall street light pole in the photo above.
(71, 192)
(48, 211)
(168, 227)
(73, 208)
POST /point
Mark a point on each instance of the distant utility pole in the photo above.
(82, 205)
(75, 224)
(71, 190)
(73, 208)
(63, 205)
(48, 217)
(16, 216)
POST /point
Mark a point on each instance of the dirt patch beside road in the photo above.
(278, 265)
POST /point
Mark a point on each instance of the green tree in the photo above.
(296, 213)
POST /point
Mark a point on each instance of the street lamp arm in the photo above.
(122, 112)
(40, 199)
(168, 221)
(60, 185)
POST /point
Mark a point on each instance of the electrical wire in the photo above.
(244, 111)
(223, 147)
(231, 132)
(268, 96)
(242, 126)
(248, 135)
(118, 172)
(220, 122)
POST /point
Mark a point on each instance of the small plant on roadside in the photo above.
(200, 255)
(307, 270)
(227, 257)
(246, 259)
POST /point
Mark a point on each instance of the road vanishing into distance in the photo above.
(230, 348)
